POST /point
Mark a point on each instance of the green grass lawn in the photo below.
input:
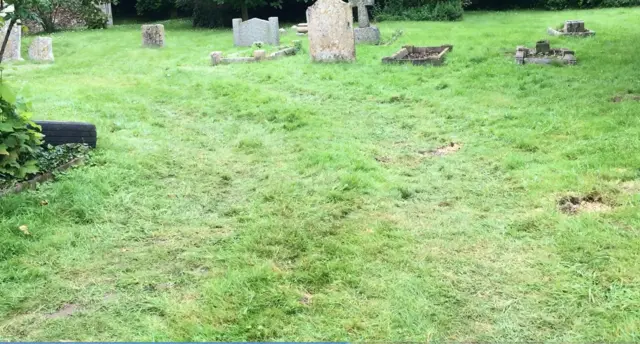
(295, 201)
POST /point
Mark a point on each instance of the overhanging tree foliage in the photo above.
(46, 12)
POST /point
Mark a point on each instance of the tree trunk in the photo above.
(6, 38)
(244, 10)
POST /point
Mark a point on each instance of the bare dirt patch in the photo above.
(382, 159)
(631, 187)
(619, 98)
(66, 311)
(452, 147)
(591, 203)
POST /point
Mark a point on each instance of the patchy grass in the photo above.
(289, 201)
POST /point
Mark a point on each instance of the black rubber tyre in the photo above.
(58, 133)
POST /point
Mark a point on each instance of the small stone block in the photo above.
(153, 35)
(41, 49)
(569, 59)
(542, 47)
(216, 58)
(367, 35)
(259, 54)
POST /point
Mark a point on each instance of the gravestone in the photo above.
(153, 35)
(255, 30)
(574, 26)
(365, 32)
(14, 44)
(41, 49)
(106, 9)
(331, 37)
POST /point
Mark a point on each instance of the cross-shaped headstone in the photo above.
(363, 15)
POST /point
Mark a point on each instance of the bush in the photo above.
(53, 15)
(94, 17)
(154, 6)
(208, 14)
(421, 10)
(20, 138)
(550, 4)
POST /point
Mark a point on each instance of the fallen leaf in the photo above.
(24, 229)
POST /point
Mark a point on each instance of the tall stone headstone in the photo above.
(12, 51)
(365, 32)
(106, 9)
(256, 30)
(153, 35)
(331, 36)
(41, 49)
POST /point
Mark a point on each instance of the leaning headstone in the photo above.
(14, 44)
(365, 32)
(331, 37)
(153, 35)
(41, 49)
(255, 30)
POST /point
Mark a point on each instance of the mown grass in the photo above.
(295, 201)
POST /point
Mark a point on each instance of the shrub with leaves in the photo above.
(49, 13)
(419, 10)
(52, 157)
(20, 138)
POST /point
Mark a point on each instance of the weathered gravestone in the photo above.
(365, 32)
(153, 35)
(12, 51)
(331, 36)
(41, 49)
(106, 9)
(255, 30)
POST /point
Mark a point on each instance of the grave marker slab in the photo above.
(14, 44)
(41, 49)
(256, 30)
(331, 36)
(153, 35)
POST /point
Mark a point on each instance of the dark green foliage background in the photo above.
(209, 13)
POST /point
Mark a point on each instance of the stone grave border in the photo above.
(398, 58)
(562, 32)
(32, 183)
(526, 55)
(258, 55)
